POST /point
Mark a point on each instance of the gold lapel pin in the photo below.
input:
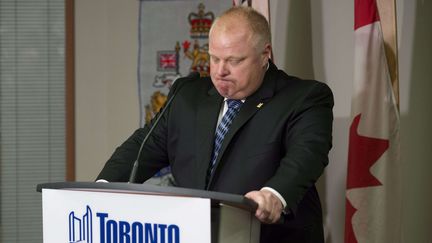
(259, 105)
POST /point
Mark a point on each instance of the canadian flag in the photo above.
(373, 194)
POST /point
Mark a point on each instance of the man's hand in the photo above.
(269, 206)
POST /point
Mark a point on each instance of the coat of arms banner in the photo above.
(173, 41)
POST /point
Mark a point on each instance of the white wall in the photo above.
(106, 80)
(312, 39)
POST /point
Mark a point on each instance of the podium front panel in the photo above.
(93, 216)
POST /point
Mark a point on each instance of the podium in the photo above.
(90, 212)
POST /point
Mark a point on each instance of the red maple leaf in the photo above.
(363, 152)
(186, 44)
(349, 234)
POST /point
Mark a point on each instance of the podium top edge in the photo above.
(216, 198)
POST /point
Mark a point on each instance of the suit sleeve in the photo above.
(307, 141)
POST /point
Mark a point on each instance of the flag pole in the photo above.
(387, 12)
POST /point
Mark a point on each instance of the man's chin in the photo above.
(224, 92)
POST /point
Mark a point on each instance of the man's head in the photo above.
(239, 48)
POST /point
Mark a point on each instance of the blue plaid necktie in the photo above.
(222, 129)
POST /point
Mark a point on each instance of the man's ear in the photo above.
(266, 54)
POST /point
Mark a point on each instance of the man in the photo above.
(274, 142)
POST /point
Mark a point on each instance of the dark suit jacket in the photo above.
(280, 139)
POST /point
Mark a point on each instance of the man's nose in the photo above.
(222, 69)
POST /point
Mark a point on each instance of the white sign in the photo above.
(108, 217)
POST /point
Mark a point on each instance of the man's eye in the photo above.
(214, 59)
(234, 61)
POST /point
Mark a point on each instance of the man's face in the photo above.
(237, 66)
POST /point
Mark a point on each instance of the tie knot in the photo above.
(234, 104)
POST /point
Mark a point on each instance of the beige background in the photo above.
(311, 39)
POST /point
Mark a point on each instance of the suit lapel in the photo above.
(248, 109)
(207, 115)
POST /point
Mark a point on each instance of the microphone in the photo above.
(190, 77)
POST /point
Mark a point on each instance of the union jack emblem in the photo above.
(167, 60)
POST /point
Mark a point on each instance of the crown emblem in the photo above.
(200, 22)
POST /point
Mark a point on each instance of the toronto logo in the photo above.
(111, 230)
(81, 228)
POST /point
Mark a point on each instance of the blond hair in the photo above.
(256, 22)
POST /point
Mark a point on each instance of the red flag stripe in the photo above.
(366, 12)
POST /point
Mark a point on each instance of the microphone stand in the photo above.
(190, 77)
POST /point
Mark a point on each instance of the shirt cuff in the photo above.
(277, 194)
(102, 180)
